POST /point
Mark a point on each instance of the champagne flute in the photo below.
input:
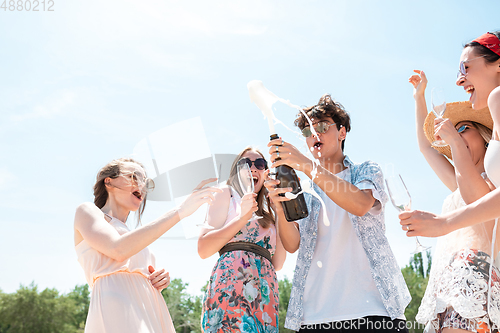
(245, 179)
(438, 107)
(400, 198)
(205, 224)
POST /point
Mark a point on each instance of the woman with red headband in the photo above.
(479, 75)
(456, 254)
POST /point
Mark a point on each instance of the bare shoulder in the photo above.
(495, 92)
(217, 211)
(222, 199)
(494, 102)
(86, 208)
(494, 105)
(86, 211)
(225, 194)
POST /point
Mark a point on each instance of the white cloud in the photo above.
(53, 106)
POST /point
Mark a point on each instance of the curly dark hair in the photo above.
(326, 108)
(489, 56)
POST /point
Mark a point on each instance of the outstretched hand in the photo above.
(200, 195)
(159, 279)
(420, 223)
(419, 82)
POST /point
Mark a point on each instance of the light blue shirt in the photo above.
(370, 230)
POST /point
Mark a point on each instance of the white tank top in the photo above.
(492, 162)
(492, 168)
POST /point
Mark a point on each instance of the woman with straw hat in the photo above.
(479, 75)
(457, 290)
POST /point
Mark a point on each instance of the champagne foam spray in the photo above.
(264, 99)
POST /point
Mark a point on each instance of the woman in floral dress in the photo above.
(243, 292)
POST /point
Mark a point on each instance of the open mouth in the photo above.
(255, 180)
(137, 194)
(318, 145)
(469, 90)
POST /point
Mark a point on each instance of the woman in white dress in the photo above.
(465, 250)
(117, 263)
(479, 75)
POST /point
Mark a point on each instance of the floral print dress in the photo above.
(242, 295)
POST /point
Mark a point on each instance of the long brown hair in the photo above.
(112, 170)
(263, 202)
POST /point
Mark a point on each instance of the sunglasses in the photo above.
(463, 128)
(137, 178)
(463, 71)
(320, 127)
(260, 163)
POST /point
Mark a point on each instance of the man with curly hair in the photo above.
(346, 277)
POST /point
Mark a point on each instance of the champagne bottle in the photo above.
(294, 209)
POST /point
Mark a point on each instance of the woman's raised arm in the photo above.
(441, 166)
(91, 224)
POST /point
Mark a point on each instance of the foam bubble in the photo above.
(264, 99)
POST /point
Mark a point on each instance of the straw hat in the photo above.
(457, 112)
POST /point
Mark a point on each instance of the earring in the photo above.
(486, 145)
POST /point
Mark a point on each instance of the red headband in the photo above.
(489, 41)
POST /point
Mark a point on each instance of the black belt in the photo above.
(246, 246)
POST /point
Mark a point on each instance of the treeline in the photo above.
(47, 311)
(29, 310)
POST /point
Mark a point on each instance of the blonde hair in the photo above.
(112, 170)
(263, 202)
(484, 131)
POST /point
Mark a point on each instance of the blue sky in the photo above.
(85, 83)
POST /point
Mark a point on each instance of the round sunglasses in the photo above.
(260, 163)
(320, 128)
(137, 178)
(462, 70)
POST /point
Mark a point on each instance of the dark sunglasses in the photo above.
(260, 163)
(320, 127)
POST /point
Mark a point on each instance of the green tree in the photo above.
(184, 308)
(30, 311)
(285, 288)
(81, 297)
(416, 275)
(3, 326)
